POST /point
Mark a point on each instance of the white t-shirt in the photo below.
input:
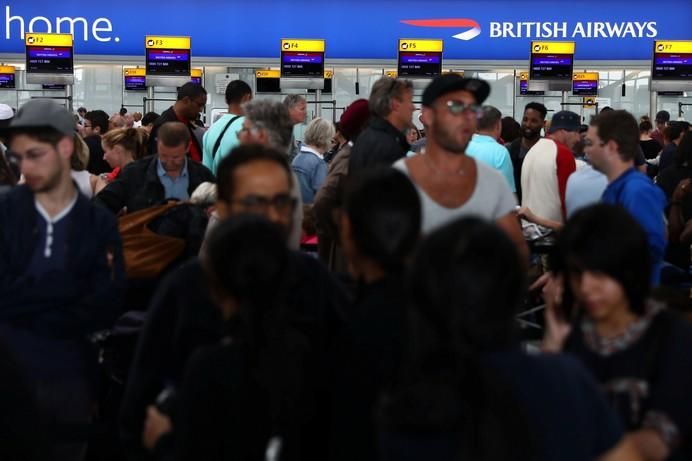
(491, 199)
(83, 180)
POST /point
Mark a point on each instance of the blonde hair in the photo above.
(133, 140)
(319, 133)
(80, 154)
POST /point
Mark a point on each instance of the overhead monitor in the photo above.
(419, 58)
(524, 86)
(196, 76)
(585, 84)
(672, 60)
(53, 86)
(302, 58)
(135, 79)
(49, 58)
(167, 60)
(551, 61)
(7, 77)
(268, 81)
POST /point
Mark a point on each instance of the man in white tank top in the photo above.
(450, 183)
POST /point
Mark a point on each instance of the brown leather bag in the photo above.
(147, 253)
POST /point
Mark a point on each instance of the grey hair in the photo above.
(383, 91)
(204, 195)
(273, 118)
(293, 99)
(320, 133)
(489, 118)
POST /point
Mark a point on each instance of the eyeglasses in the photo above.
(459, 107)
(282, 203)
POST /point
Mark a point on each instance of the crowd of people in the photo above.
(170, 291)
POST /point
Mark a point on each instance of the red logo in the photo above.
(474, 31)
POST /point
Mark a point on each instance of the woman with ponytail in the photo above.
(121, 147)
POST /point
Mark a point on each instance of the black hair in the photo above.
(645, 126)
(98, 118)
(7, 176)
(123, 111)
(240, 156)
(191, 90)
(466, 285)
(673, 130)
(607, 109)
(149, 117)
(605, 239)
(385, 213)
(683, 155)
(236, 91)
(511, 129)
(538, 107)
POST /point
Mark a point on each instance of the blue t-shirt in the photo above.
(493, 154)
(646, 203)
(584, 187)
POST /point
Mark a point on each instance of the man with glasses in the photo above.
(450, 183)
(252, 179)
(61, 274)
(191, 100)
(150, 181)
(383, 142)
(96, 125)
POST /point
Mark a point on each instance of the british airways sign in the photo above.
(358, 29)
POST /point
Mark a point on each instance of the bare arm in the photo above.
(649, 444)
(510, 225)
(626, 450)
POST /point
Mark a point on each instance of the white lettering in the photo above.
(561, 31)
(507, 30)
(495, 29)
(629, 29)
(37, 19)
(59, 22)
(95, 29)
(652, 29)
(8, 23)
(598, 30)
(640, 29)
(578, 30)
(614, 29)
(589, 26)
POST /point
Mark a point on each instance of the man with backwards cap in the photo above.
(61, 274)
(546, 168)
(450, 183)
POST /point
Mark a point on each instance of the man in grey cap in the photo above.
(61, 273)
(546, 168)
(450, 183)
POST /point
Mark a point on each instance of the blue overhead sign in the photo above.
(358, 29)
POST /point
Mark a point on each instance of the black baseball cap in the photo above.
(565, 120)
(447, 83)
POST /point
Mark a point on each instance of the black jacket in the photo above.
(138, 185)
(168, 115)
(182, 318)
(514, 149)
(379, 144)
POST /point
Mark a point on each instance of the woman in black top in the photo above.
(466, 391)
(650, 146)
(637, 350)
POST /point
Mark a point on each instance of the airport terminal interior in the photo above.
(346, 231)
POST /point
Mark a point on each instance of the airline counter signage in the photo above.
(585, 84)
(196, 76)
(167, 56)
(7, 77)
(135, 79)
(524, 86)
(49, 53)
(672, 60)
(551, 60)
(419, 58)
(302, 58)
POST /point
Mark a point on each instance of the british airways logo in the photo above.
(474, 29)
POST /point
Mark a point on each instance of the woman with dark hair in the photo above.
(650, 146)
(248, 394)
(380, 225)
(598, 310)
(511, 130)
(467, 391)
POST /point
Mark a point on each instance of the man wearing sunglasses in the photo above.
(450, 183)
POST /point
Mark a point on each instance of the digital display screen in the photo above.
(197, 80)
(551, 66)
(49, 59)
(135, 83)
(168, 62)
(302, 64)
(672, 66)
(268, 85)
(524, 89)
(419, 64)
(7, 80)
(53, 86)
(585, 87)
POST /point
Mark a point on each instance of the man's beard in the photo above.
(528, 133)
(446, 140)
